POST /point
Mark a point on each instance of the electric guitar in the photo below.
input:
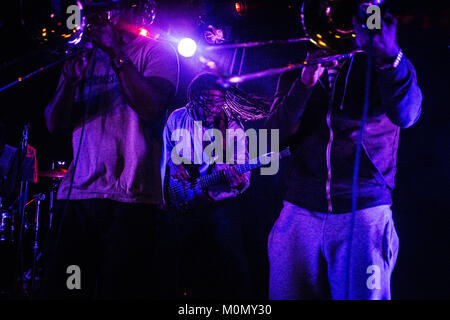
(183, 195)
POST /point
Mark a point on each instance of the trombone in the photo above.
(328, 24)
(236, 79)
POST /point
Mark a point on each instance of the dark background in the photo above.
(422, 201)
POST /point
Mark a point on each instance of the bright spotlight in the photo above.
(187, 47)
(144, 32)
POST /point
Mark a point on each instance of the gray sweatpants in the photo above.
(308, 254)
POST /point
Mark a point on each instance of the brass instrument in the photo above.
(62, 24)
(328, 24)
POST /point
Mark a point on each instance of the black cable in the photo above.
(358, 155)
(84, 119)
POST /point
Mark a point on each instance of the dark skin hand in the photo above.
(234, 180)
(385, 48)
(146, 96)
(312, 73)
(179, 172)
(60, 110)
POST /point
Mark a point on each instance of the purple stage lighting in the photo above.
(187, 47)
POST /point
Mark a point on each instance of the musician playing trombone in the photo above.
(318, 247)
(112, 100)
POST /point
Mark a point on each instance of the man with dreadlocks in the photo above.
(212, 255)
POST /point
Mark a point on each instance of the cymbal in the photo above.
(57, 173)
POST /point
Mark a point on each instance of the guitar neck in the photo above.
(211, 179)
(242, 168)
(219, 176)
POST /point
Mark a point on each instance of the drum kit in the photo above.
(24, 223)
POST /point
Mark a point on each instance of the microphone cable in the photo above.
(80, 141)
(358, 156)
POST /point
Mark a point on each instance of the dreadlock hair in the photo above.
(201, 83)
(239, 105)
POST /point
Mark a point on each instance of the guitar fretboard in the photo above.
(219, 176)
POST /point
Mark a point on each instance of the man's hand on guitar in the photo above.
(235, 180)
(179, 172)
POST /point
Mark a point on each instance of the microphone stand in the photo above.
(23, 196)
(34, 275)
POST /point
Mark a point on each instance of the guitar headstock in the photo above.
(285, 153)
(265, 158)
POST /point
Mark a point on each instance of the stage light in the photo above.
(187, 47)
(144, 32)
(240, 7)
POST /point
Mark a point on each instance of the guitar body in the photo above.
(182, 195)
(185, 195)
